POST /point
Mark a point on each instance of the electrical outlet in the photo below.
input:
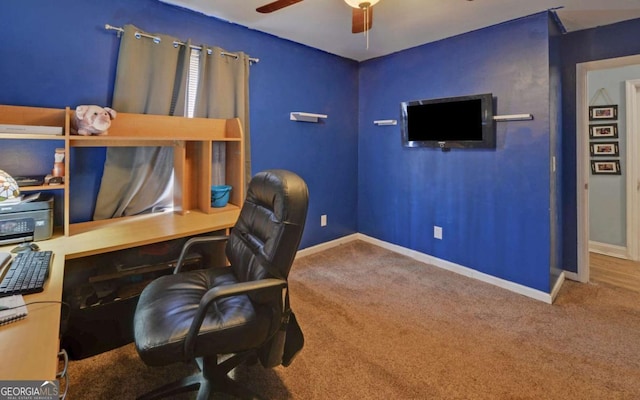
(323, 220)
(437, 232)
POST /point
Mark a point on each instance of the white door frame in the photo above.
(632, 88)
(583, 167)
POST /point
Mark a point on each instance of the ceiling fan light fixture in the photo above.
(361, 3)
(362, 16)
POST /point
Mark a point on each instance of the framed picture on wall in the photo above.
(605, 167)
(603, 131)
(598, 149)
(599, 113)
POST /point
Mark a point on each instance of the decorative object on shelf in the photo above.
(53, 180)
(58, 163)
(605, 167)
(92, 120)
(603, 131)
(598, 149)
(306, 117)
(384, 122)
(9, 189)
(220, 195)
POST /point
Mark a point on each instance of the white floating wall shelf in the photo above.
(382, 122)
(513, 117)
(306, 117)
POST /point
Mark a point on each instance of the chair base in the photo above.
(213, 378)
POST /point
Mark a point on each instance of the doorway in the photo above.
(630, 246)
(614, 271)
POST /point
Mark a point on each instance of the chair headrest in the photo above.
(282, 191)
(266, 237)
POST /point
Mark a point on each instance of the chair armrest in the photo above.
(193, 241)
(219, 293)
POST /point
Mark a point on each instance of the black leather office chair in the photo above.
(236, 310)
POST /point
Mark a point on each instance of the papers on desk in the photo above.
(12, 308)
(20, 199)
(4, 260)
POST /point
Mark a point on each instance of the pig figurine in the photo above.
(92, 120)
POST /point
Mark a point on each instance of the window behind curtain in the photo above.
(192, 81)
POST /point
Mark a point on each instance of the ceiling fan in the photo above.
(362, 14)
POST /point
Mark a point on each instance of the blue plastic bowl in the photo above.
(220, 195)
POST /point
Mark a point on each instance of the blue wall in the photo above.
(616, 40)
(58, 54)
(493, 205)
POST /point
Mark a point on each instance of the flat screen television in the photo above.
(452, 122)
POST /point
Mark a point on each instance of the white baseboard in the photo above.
(557, 286)
(608, 249)
(449, 266)
(573, 276)
(326, 245)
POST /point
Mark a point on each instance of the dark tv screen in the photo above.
(462, 122)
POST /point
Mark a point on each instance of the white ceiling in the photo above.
(401, 24)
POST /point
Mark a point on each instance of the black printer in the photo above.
(29, 220)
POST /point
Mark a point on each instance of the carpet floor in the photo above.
(379, 325)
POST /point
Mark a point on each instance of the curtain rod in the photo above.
(176, 43)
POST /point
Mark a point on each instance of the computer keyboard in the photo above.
(27, 273)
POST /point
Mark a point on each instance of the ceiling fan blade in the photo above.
(276, 5)
(362, 19)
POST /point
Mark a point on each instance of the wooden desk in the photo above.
(29, 347)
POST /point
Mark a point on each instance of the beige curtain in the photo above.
(151, 78)
(223, 92)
